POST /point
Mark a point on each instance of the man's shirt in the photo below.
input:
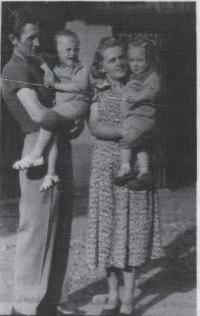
(19, 73)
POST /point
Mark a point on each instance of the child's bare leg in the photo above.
(35, 157)
(51, 178)
(144, 179)
(142, 162)
(125, 162)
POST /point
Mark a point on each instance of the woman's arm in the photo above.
(101, 130)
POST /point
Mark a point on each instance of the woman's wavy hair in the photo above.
(19, 18)
(105, 43)
(150, 44)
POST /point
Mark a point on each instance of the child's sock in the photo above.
(124, 169)
(142, 163)
(142, 170)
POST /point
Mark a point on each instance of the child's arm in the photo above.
(150, 89)
(79, 83)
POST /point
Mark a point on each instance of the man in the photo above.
(45, 217)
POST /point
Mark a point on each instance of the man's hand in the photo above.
(49, 78)
(77, 129)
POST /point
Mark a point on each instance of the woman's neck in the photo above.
(116, 84)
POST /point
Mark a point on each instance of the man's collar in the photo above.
(17, 57)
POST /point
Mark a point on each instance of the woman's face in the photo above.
(137, 60)
(114, 64)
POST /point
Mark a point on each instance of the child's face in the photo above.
(137, 60)
(68, 50)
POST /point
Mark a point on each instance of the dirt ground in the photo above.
(164, 287)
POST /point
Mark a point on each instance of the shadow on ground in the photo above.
(176, 273)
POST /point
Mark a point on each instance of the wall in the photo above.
(89, 35)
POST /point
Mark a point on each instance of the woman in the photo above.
(123, 225)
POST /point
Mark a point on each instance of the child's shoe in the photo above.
(27, 162)
(49, 182)
(125, 174)
(142, 182)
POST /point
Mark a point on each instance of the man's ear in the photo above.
(13, 39)
(101, 68)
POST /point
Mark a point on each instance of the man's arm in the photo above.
(29, 100)
(46, 118)
(77, 130)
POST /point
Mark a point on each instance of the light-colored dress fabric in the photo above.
(123, 226)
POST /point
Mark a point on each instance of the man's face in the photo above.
(114, 63)
(28, 43)
(68, 50)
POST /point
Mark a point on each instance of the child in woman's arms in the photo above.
(139, 114)
(70, 79)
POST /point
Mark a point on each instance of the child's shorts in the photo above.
(139, 122)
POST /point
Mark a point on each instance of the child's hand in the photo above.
(49, 78)
(77, 129)
(128, 96)
(134, 85)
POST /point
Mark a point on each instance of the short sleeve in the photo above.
(18, 78)
(82, 77)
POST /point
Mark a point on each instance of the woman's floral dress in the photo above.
(123, 226)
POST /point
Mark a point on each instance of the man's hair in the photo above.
(105, 43)
(20, 18)
(68, 33)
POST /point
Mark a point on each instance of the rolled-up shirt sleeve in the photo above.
(16, 77)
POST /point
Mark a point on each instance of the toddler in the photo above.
(138, 112)
(70, 79)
